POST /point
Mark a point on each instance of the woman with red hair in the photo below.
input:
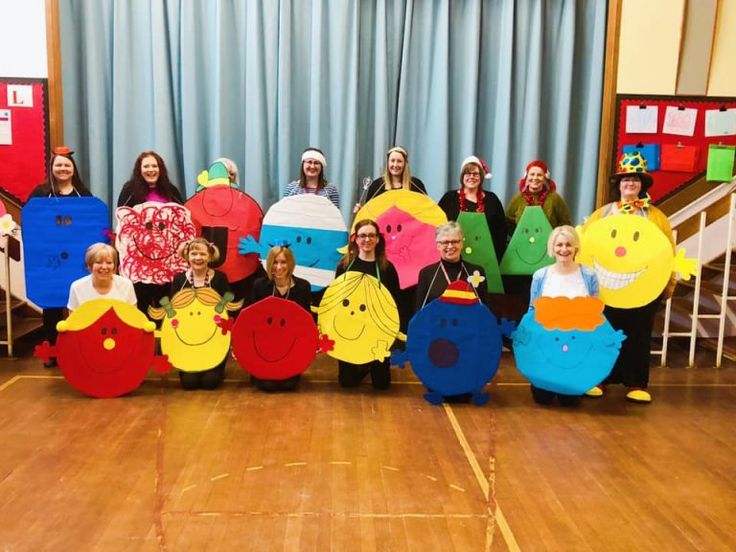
(537, 188)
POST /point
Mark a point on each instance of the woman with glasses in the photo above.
(472, 198)
(434, 279)
(312, 178)
(367, 254)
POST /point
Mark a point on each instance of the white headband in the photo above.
(314, 156)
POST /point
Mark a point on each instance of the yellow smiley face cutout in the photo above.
(360, 317)
(190, 334)
(632, 258)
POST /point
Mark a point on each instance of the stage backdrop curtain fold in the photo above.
(508, 80)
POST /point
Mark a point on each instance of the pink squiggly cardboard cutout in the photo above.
(148, 237)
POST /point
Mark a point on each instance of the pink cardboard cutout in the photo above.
(410, 244)
(274, 339)
(222, 214)
(148, 238)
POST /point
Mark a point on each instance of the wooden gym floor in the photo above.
(327, 469)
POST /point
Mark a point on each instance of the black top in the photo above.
(300, 292)
(493, 210)
(126, 197)
(44, 190)
(377, 188)
(219, 283)
(432, 282)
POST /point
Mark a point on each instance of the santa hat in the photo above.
(551, 186)
(477, 161)
(460, 293)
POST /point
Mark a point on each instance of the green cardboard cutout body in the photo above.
(478, 248)
(527, 250)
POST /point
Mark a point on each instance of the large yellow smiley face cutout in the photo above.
(632, 258)
(191, 337)
(360, 316)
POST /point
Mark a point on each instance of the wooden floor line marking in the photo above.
(339, 515)
(8, 383)
(503, 526)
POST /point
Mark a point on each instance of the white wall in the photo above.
(23, 39)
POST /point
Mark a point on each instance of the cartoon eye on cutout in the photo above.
(454, 321)
(103, 331)
(537, 230)
(613, 233)
(149, 226)
(59, 220)
(161, 226)
(309, 240)
(362, 308)
(67, 220)
(388, 228)
(398, 228)
(636, 236)
(64, 255)
(346, 302)
(269, 320)
(298, 239)
(282, 323)
(526, 230)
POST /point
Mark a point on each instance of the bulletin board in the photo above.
(667, 182)
(23, 122)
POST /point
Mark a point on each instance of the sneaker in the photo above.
(50, 363)
(596, 392)
(638, 395)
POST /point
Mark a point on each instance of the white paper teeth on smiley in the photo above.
(615, 280)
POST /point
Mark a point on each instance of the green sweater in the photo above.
(554, 208)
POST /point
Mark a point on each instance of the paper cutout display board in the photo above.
(222, 214)
(23, 163)
(314, 229)
(408, 221)
(454, 345)
(527, 250)
(148, 239)
(666, 182)
(274, 339)
(632, 258)
(56, 235)
(360, 316)
(478, 248)
(105, 348)
(566, 345)
(192, 334)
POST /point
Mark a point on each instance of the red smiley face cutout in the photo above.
(274, 339)
(108, 357)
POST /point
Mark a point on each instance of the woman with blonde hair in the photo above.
(199, 254)
(396, 176)
(281, 282)
(102, 282)
(564, 278)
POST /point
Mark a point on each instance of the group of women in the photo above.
(149, 181)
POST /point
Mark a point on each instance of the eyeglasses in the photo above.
(447, 243)
(472, 174)
(366, 236)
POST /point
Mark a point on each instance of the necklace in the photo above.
(192, 279)
(276, 292)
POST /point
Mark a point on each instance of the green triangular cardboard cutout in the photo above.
(478, 248)
(527, 250)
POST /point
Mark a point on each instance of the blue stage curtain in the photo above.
(258, 81)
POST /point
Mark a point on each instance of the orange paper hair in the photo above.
(562, 313)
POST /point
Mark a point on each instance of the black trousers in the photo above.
(50, 318)
(352, 375)
(632, 365)
(206, 379)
